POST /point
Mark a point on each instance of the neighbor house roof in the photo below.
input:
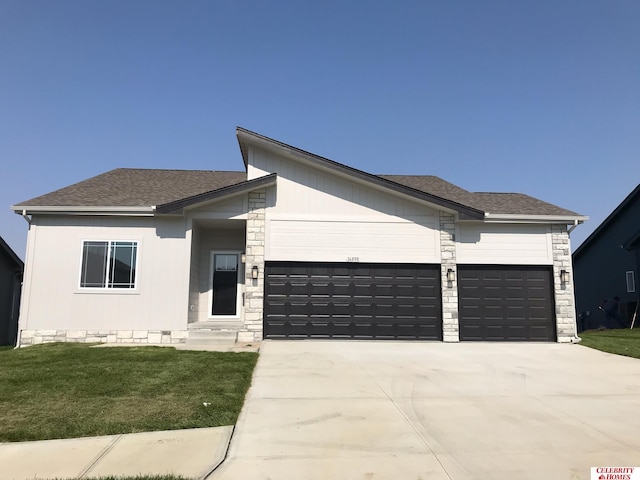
(619, 210)
(4, 247)
(169, 191)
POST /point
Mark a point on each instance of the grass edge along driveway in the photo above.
(59, 390)
(621, 341)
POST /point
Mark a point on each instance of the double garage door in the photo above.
(352, 300)
(403, 301)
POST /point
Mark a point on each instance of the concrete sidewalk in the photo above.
(192, 453)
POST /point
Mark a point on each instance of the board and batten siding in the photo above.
(503, 244)
(53, 299)
(318, 216)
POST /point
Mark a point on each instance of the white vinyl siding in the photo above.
(503, 244)
(55, 300)
(318, 215)
(358, 240)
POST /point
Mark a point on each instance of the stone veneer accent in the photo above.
(150, 337)
(563, 292)
(254, 256)
(450, 327)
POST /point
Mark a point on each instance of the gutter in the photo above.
(575, 220)
(64, 210)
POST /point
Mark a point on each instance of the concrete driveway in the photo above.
(402, 410)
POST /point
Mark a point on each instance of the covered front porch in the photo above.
(226, 275)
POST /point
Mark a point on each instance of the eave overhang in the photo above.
(247, 138)
(177, 207)
(519, 218)
(82, 210)
(632, 243)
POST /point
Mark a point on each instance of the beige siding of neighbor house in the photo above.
(54, 300)
(504, 244)
(315, 215)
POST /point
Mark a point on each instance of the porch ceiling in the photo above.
(220, 223)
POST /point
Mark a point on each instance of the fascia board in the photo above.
(517, 218)
(81, 210)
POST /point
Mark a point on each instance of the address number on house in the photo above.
(353, 259)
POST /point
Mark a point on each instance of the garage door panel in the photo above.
(512, 303)
(382, 301)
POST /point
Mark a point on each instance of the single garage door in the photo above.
(506, 303)
(352, 300)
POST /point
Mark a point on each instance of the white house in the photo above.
(295, 246)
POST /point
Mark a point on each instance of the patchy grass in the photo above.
(619, 341)
(71, 390)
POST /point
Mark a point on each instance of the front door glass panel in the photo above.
(225, 284)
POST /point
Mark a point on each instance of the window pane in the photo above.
(226, 262)
(94, 264)
(123, 264)
(631, 282)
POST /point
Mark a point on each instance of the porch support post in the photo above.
(563, 291)
(254, 257)
(450, 326)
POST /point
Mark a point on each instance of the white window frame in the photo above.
(630, 276)
(239, 284)
(107, 288)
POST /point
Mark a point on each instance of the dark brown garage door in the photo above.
(352, 300)
(506, 303)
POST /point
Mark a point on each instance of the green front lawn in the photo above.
(73, 390)
(619, 341)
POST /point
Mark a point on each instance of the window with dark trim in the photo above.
(631, 281)
(108, 264)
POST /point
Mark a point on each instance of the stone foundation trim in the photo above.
(145, 337)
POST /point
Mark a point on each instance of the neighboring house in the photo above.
(295, 246)
(607, 265)
(11, 268)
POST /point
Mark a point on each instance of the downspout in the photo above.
(26, 217)
(575, 224)
(576, 338)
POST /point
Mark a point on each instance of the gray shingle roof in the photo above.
(496, 203)
(134, 187)
(137, 187)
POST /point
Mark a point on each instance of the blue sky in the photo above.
(533, 96)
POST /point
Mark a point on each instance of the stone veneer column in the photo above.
(563, 292)
(254, 256)
(450, 329)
